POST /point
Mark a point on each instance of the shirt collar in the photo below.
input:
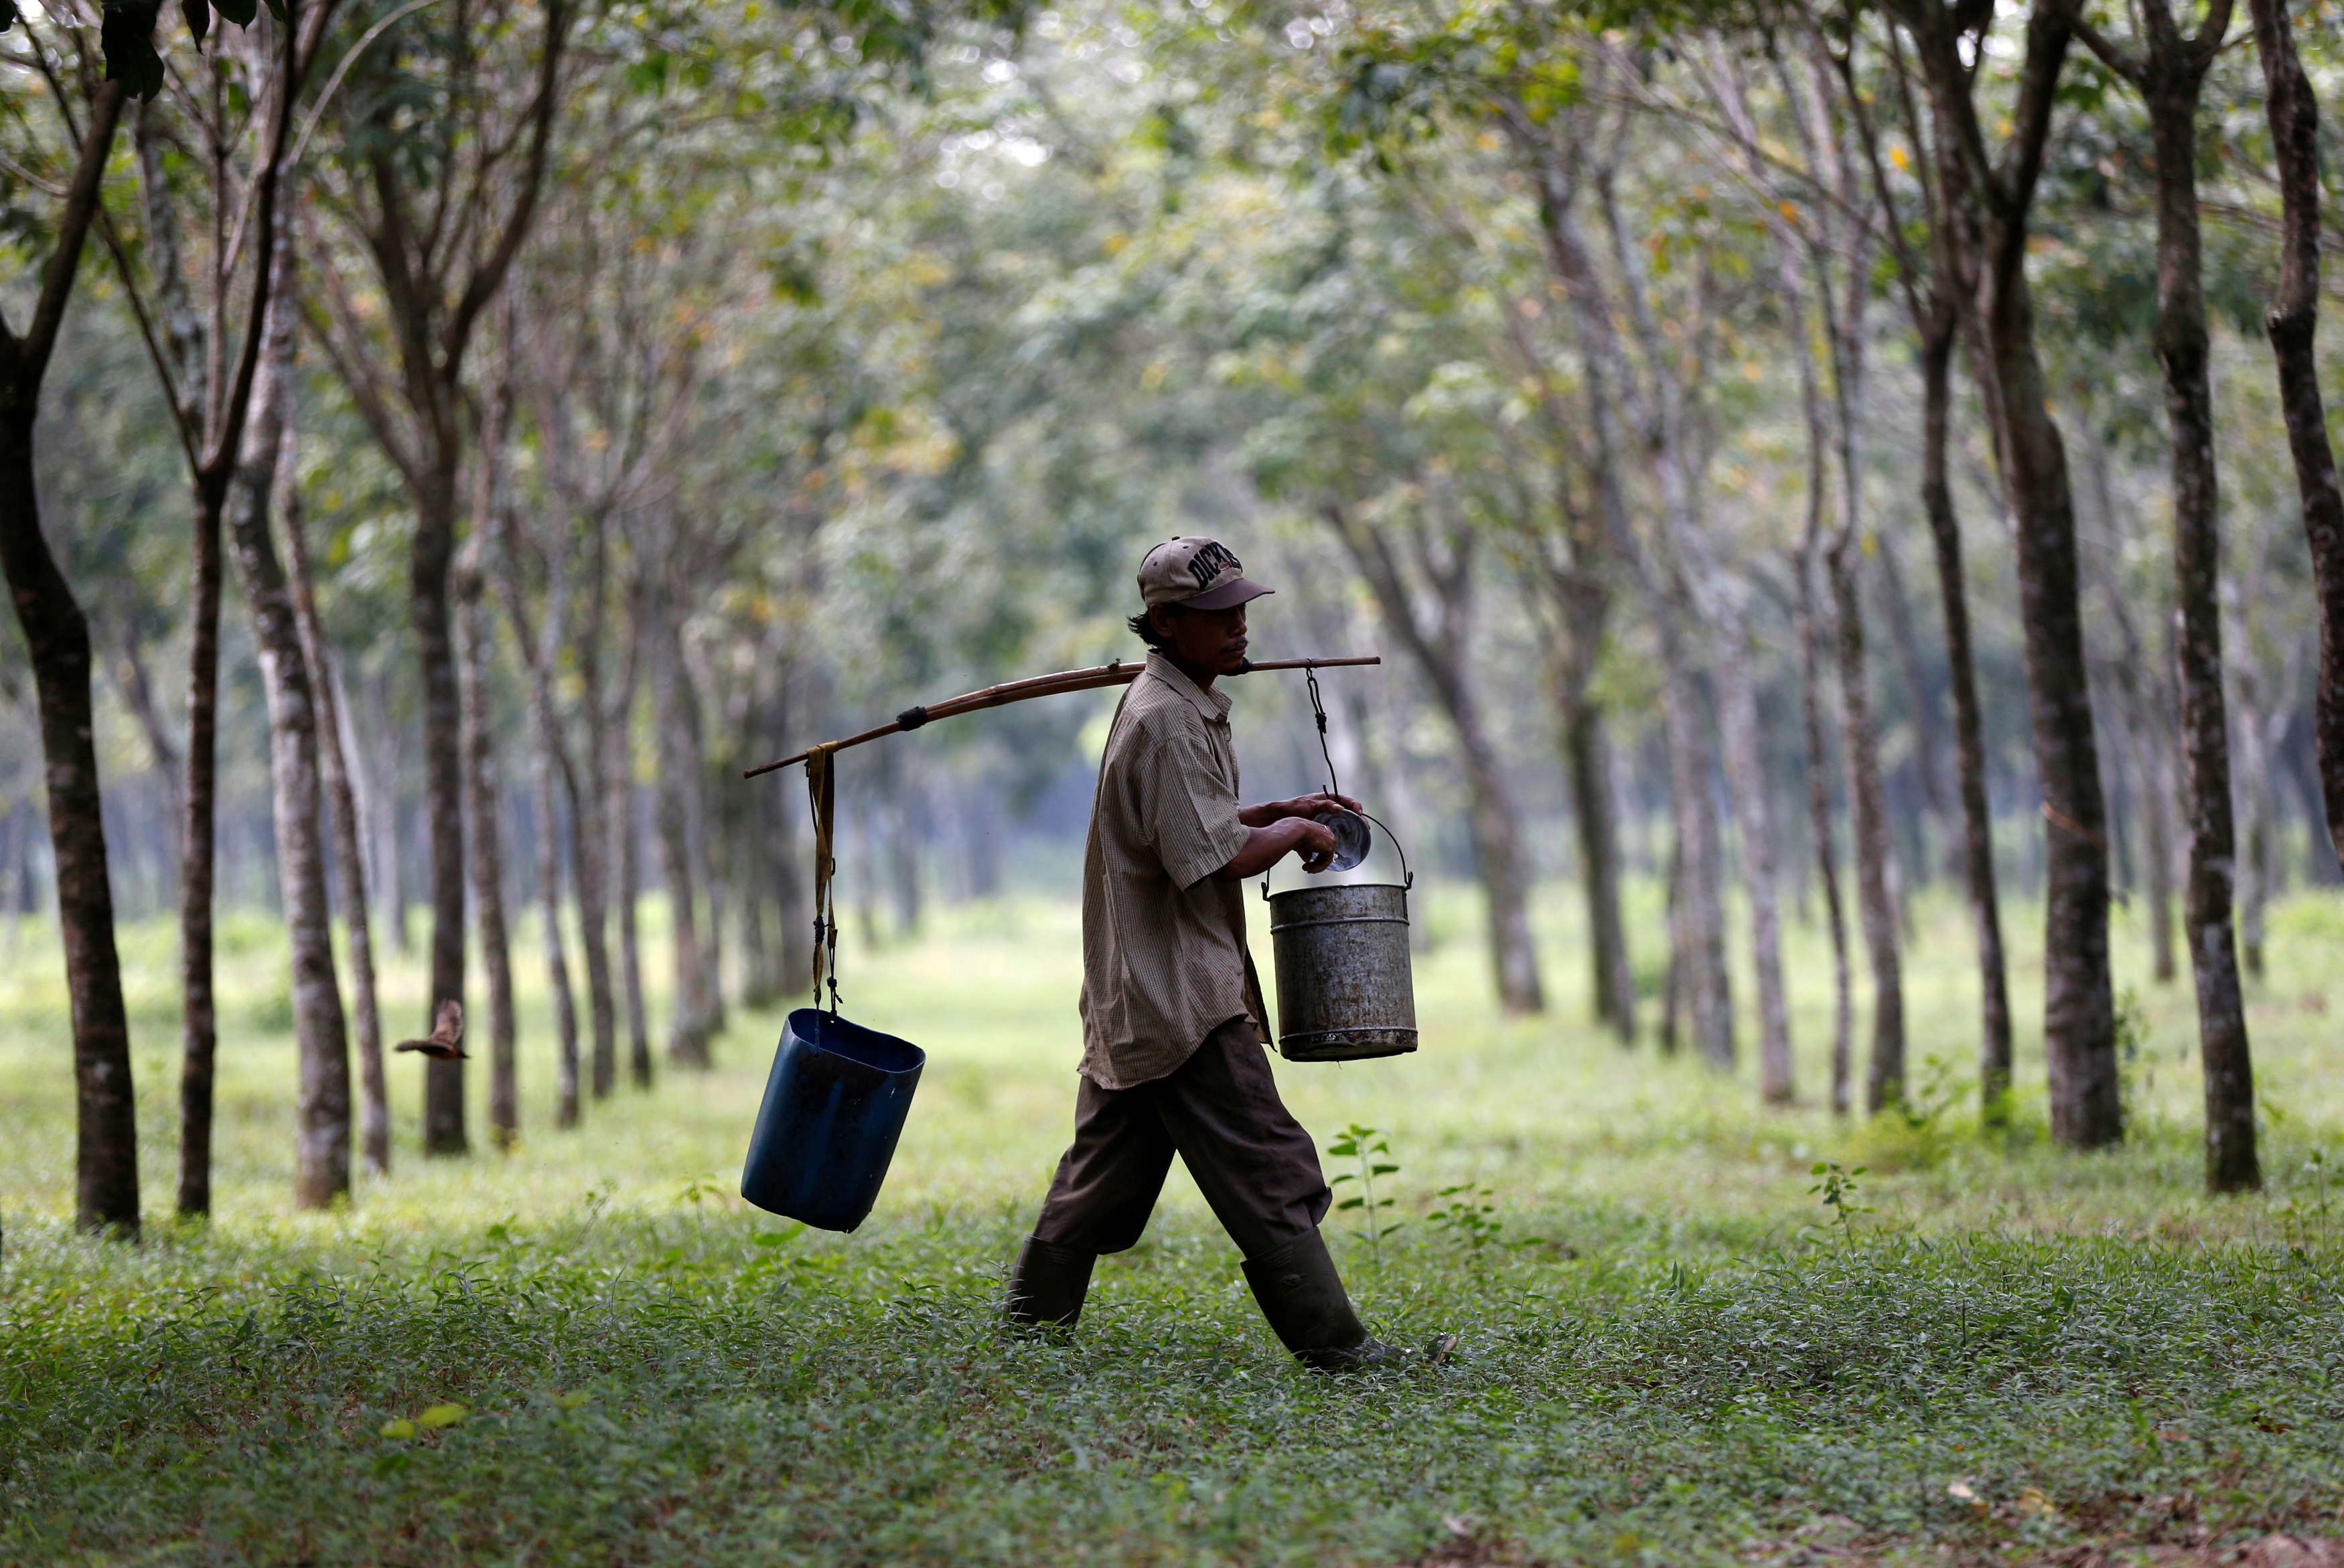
(1213, 704)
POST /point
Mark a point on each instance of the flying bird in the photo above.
(447, 1029)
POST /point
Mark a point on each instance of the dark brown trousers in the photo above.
(1220, 1112)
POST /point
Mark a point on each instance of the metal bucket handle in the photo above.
(1407, 877)
(1318, 713)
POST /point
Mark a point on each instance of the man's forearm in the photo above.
(1265, 847)
(1274, 812)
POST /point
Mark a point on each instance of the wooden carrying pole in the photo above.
(1121, 672)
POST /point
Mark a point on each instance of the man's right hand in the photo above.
(1265, 847)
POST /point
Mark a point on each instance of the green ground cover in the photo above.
(1668, 1351)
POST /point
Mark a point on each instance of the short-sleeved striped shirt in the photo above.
(1163, 943)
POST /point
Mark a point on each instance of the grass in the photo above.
(1669, 1353)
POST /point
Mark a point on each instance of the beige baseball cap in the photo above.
(1196, 573)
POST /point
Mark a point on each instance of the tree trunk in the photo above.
(56, 638)
(1969, 720)
(2079, 1020)
(1928, 723)
(1884, 1080)
(199, 846)
(1875, 875)
(2170, 81)
(2251, 796)
(687, 1044)
(777, 818)
(431, 556)
(545, 758)
(1572, 629)
(1746, 783)
(2157, 817)
(322, 1163)
(700, 837)
(138, 691)
(769, 848)
(1697, 923)
(1672, 983)
(2079, 1016)
(373, 774)
(1810, 617)
(194, 359)
(342, 811)
(485, 841)
(627, 852)
(2079, 1008)
(589, 829)
(2299, 759)
(1696, 910)
(1505, 874)
(1819, 804)
(557, 962)
(2293, 326)
(12, 864)
(1700, 926)
(1439, 652)
(56, 642)
(1586, 755)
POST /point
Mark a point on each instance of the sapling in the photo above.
(1838, 1188)
(1366, 1145)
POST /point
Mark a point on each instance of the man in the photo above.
(1173, 1022)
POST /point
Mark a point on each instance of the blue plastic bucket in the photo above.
(834, 1107)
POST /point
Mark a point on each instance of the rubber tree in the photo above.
(2293, 326)
(1820, 275)
(1561, 557)
(57, 643)
(1927, 280)
(1634, 416)
(1422, 570)
(1820, 225)
(604, 365)
(1987, 195)
(434, 228)
(337, 781)
(549, 760)
(1564, 577)
(211, 393)
(322, 1106)
(2168, 68)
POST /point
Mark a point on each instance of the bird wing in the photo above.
(448, 1027)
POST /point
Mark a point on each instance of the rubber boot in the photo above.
(1304, 1301)
(1047, 1283)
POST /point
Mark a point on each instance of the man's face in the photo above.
(1214, 639)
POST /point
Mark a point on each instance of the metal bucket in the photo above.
(1344, 992)
(835, 1105)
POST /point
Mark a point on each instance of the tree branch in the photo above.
(491, 274)
(40, 339)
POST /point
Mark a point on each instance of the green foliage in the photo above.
(651, 1387)
(650, 1371)
(2132, 1035)
(1469, 1215)
(127, 35)
(1838, 1189)
(1370, 1151)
